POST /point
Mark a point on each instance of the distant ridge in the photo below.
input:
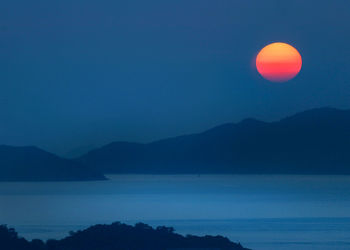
(34, 164)
(311, 142)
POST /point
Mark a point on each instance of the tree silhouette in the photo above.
(118, 236)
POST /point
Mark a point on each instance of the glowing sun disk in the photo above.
(278, 62)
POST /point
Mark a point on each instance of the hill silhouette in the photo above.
(312, 142)
(118, 236)
(34, 164)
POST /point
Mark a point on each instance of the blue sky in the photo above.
(77, 73)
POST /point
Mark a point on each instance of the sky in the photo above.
(85, 73)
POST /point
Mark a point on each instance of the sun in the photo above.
(278, 62)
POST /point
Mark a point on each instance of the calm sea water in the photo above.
(262, 212)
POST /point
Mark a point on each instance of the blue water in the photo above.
(262, 212)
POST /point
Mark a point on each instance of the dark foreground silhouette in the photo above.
(118, 236)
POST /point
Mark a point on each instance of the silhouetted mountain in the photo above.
(74, 153)
(119, 236)
(311, 142)
(34, 164)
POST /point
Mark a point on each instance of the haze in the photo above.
(77, 73)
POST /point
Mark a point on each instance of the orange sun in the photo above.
(278, 62)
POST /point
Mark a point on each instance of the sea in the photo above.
(262, 212)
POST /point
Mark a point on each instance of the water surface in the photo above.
(261, 212)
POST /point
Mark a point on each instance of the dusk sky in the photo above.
(82, 73)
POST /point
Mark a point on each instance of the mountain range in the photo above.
(34, 164)
(312, 142)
